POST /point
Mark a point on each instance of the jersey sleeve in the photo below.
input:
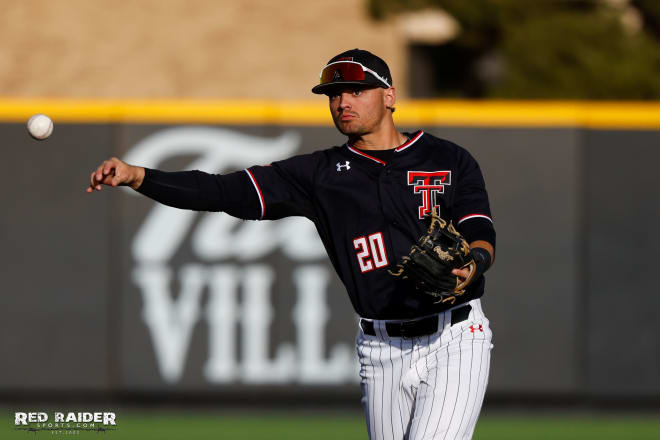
(285, 188)
(199, 191)
(471, 210)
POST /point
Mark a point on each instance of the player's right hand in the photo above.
(114, 172)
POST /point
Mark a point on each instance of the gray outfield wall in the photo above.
(111, 292)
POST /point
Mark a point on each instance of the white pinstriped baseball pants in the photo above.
(428, 387)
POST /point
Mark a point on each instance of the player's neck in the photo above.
(386, 138)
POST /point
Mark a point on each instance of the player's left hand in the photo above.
(463, 274)
(482, 261)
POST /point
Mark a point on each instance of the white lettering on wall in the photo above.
(170, 321)
(311, 316)
(239, 293)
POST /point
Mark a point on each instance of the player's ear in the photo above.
(389, 97)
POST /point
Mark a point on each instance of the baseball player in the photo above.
(424, 362)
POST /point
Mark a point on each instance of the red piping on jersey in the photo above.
(397, 149)
(414, 139)
(467, 217)
(365, 155)
(261, 197)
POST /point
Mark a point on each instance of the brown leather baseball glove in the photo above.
(433, 257)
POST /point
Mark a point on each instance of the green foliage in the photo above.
(650, 10)
(555, 49)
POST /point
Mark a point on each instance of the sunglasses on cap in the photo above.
(347, 71)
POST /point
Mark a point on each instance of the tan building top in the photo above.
(210, 49)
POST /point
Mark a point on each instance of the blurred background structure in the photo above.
(548, 49)
(112, 299)
(260, 49)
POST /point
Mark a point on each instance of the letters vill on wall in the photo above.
(217, 300)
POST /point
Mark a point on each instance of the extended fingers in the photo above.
(106, 168)
(105, 174)
(98, 174)
(109, 165)
(93, 183)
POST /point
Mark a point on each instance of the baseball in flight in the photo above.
(40, 126)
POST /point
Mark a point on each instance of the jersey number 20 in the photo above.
(371, 252)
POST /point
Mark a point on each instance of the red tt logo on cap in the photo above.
(429, 184)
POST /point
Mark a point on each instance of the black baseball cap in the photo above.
(354, 67)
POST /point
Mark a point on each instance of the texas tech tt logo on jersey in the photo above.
(429, 184)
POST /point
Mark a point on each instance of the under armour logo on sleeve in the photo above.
(345, 166)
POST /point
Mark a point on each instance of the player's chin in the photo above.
(348, 128)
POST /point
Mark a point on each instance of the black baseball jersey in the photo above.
(368, 208)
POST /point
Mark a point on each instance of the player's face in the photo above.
(358, 111)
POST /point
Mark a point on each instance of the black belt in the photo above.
(419, 327)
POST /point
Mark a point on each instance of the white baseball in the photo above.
(40, 126)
